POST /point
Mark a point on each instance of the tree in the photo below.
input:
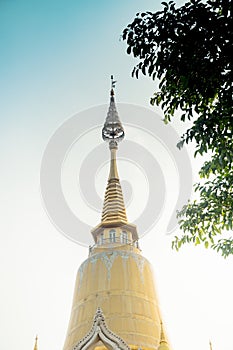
(189, 49)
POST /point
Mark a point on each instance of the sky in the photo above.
(56, 60)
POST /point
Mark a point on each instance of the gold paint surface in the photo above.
(120, 282)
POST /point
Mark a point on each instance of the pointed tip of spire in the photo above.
(35, 346)
(163, 343)
(162, 335)
(113, 129)
(113, 85)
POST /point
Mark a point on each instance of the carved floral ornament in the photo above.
(100, 332)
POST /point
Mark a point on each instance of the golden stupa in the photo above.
(115, 304)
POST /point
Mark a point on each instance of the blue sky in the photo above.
(56, 58)
(61, 52)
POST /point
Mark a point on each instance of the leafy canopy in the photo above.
(189, 49)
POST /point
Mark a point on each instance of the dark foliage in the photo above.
(189, 49)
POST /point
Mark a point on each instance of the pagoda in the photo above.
(115, 305)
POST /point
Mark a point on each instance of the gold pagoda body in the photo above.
(115, 304)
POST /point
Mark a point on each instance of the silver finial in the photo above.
(112, 131)
(113, 82)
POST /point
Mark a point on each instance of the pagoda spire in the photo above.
(113, 212)
(113, 132)
(163, 344)
(35, 346)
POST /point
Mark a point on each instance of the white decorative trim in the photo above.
(140, 264)
(108, 259)
(100, 332)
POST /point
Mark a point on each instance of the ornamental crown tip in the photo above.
(113, 129)
(113, 85)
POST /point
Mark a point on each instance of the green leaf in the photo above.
(187, 49)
